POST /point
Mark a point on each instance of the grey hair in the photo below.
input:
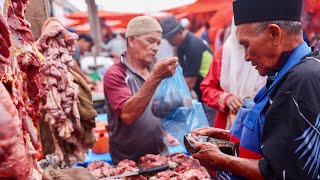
(292, 27)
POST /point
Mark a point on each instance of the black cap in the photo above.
(170, 26)
(247, 11)
(87, 38)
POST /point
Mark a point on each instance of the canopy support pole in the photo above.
(95, 27)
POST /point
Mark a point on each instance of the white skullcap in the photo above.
(142, 25)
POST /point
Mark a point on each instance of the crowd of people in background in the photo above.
(212, 75)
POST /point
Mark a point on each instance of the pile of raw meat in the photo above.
(182, 167)
(22, 94)
(65, 133)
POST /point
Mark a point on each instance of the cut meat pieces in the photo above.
(186, 163)
(178, 158)
(151, 160)
(169, 175)
(97, 167)
(195, 174)
(128, 164)
(187, 168)
(98, 164)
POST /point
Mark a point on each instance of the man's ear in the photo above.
(130, 40)
(275, 33)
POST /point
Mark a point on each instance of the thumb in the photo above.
(197, 145)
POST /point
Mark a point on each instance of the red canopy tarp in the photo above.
(82, 18)
(201, 6)
(105, 15)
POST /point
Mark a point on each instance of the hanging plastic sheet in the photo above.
(184, 120)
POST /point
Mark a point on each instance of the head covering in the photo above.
(170, 26)
(184, 22)
(247, 11)
(238, 76)
(142, 25)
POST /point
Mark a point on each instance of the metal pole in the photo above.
(95, 27)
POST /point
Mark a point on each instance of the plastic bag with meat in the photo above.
(171, 94)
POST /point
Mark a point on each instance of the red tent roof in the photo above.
(105, 15)
(201, 6)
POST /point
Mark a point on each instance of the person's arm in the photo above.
(212, 158)
(243, 167)
(136, 105)
(212, 94)
(191, 81)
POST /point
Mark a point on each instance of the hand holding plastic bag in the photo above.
(171, 94)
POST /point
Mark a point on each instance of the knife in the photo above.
(140, 172)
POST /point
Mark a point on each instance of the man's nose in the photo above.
(155, 46)
(247, 56)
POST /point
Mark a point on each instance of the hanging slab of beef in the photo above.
(13, 155)
(68, 133)
(20, 64)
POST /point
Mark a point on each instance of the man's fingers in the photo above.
(172, 60)
(198, 131)
(196, 155)
(233, 106)
(239, 101)
(197, 145)
(203, 132)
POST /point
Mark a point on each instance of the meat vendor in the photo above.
(129, 86)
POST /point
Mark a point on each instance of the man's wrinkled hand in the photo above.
(165, 68)
(209, 155)
(211, 132)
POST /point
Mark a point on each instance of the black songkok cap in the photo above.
(247, 11)
(170, 26)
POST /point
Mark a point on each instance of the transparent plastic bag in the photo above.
(171, 94)
(184, 120)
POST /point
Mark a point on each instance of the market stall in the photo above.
(45, 105)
